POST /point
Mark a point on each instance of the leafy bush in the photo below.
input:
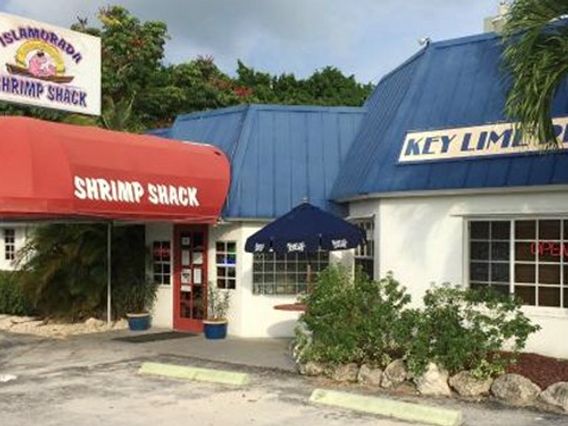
(354, 319)
(464, 329)
(363, 321)
(134, 297)
(218, 303)
(12, 300)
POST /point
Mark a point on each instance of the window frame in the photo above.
(9, 246)
(559, 310)
(226, 266)
(162, 263)
(267, 288)
(369, 243)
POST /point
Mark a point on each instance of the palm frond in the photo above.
(536, 54)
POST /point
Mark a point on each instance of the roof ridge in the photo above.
(209, 112)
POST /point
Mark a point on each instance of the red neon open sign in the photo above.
(550, 248)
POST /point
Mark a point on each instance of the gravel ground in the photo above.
(53, 329)
(82, 382)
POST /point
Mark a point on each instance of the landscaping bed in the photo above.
(541, 370)
(357, 330)
(53, 329)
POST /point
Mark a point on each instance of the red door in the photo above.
(190, 277)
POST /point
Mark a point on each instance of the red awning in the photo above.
(52, 170)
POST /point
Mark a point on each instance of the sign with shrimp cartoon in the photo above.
(48, 66)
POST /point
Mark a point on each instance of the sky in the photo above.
(367, 38)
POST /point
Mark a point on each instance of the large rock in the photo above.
(465, 384)
(370, 376)
(394, 374)
(515, 389)
(312, 368)
(433, 382)
(556, 394)
(94, 324)
(345, 373)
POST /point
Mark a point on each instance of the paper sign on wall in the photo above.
(49, 66)
(197, 276)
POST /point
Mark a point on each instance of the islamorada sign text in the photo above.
(47, 66)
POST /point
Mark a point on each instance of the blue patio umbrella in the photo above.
(305, 229)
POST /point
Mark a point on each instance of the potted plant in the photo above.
(140, 299)
(215, 326)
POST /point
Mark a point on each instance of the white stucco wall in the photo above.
(251, 315)
(422, 241)
(162, 313)
(20, 234)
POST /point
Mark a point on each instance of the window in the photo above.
(9, 244)
(489, 250)
(526, 257)
(286, 274)
(161, 256)
(539, 262)
(365, 254)
(226, 258)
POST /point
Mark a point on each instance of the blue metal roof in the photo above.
(454, 83)
(279, 154)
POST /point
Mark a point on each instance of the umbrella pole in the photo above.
(309, 278)
(109, 283)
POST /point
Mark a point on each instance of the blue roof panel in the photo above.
(279, 154)
(448, 84)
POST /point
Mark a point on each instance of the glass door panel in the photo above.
(190, 277)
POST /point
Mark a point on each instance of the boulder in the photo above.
(121, 324)
(394, 374)
(345, 373)
(433, 382)
(465, 384)
(369, 376)
(94, 323)
(312, 368)
(515, 389)
(557, 395)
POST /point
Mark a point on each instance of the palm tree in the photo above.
(118, 115)
(536, 54)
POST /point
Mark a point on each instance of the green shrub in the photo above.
(354, 319)
(12, 299)
(134, 297)
(217, 304)
(464, 329)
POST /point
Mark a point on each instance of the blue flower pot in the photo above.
(215, 329)
(138, 322)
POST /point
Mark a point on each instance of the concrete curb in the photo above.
(387, 407)
(193, 373)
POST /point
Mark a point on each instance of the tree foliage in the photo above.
(64, 269)
(536, 54)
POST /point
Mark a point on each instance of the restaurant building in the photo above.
(455, 195)
(445, 188)
(280, 156)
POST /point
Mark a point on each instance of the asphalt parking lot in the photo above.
(94, 381)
